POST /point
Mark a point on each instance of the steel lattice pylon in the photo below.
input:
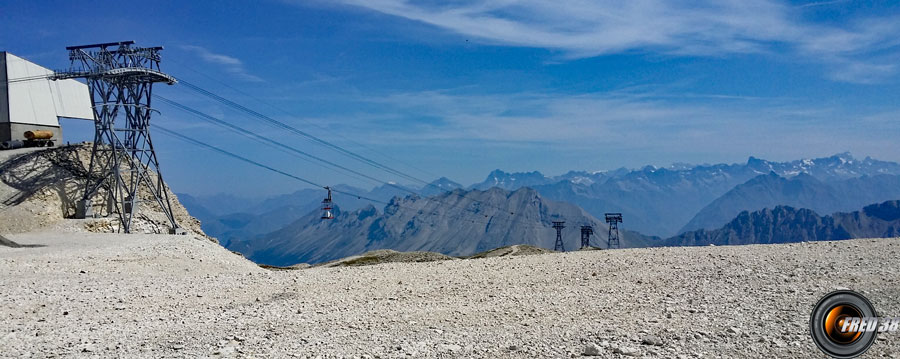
(613, 219)
(586, 232)
(558, 226)
(121, 77)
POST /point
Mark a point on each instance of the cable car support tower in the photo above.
(613, 219)
(121, 77)
(586, 232)
(558, 226)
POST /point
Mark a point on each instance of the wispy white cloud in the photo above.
(587, 28)
(558, 118)
(862, 72)
(230, 64)
(823, 3)
(642, 122)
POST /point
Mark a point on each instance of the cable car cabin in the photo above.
(327, 206)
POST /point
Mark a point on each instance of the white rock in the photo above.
(591, 349)
(651, 340)
(628, 351)
(449, 348)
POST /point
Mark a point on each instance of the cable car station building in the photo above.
(31, 101)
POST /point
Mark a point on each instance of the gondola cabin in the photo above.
(327, 206)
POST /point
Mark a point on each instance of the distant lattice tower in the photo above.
(559, 225)
(586, 232)
(613, 239)
(121, 77)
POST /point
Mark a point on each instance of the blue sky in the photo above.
(458, 89)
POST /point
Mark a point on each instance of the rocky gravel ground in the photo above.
(156, 296)
(382, 256)
(513, 250)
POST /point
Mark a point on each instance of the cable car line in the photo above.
(295, 130)
(292, 150)
(195, 142)
(270, 141)
(290, 128)
(282, 146)
(310, 123)
(232, 155)
(285, 126)
(255, 163)
(296, 151)
(273, 122)
(254, 135)
(30, 78)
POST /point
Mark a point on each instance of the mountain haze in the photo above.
(233, 220)
(457, 223)
(800, 191)
(784, 224)
(438, 186)
(661, 201)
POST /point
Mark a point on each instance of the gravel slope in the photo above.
(108, 295)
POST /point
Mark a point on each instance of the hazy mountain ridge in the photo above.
(837, 167)
(784, 224)
(438, 186)
(457, 223)
(512, 181)
(257, 217)
(654, 200)
(422, 224)
(661, 201)
(800, 191)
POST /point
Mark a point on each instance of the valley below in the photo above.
(155, 296)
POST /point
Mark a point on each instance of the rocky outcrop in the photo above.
(39, 189)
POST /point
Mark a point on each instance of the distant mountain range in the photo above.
(784, 224)
(801, 191)
(837, 167)
(462, 223)
(661, 201)
(654, 201)
(230, 218)
(439, 186)
(457, 223)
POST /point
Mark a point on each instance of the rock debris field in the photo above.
(157, 296)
